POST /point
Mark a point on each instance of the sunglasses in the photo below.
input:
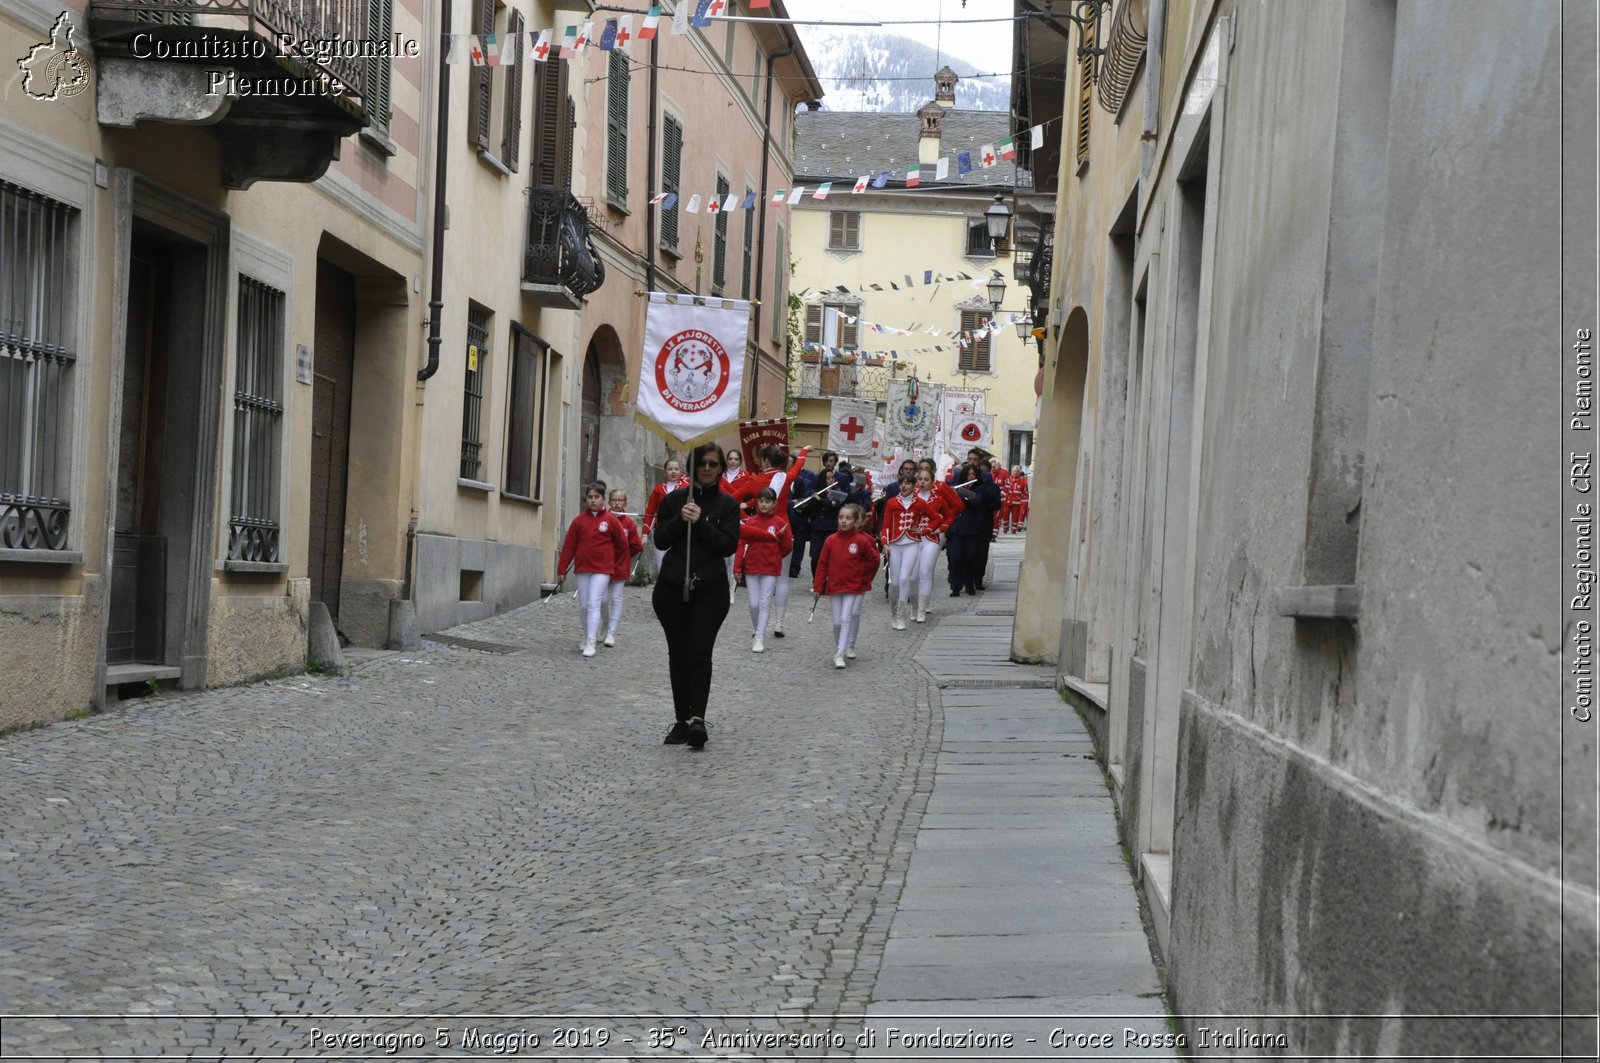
(710, 465)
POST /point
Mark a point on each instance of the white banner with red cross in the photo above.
(853, 425)
(692, 371)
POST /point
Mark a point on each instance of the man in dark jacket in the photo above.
(823, 509)
(968, 541)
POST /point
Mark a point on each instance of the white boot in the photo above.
(611, 639)
(850, 651)
(922, 608)
(588, 647)
(895, 611)
(757, 645)
(838, 660)
(777, 625)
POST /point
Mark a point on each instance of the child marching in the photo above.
(900, 530)
(944, 506)
(595, 541)
(764, 540)
(673, 470)
(845, 571)
(620, 574)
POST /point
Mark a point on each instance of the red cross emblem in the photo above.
(715, 9)
(477, 54)
(988, 158)
(623, 36)
(542, 52)
(852, 428)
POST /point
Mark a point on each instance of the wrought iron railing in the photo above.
(329, 37)
(560, 249)
(819, 380)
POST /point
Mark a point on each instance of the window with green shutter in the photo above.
(511, 128)
(618, 73)
(780, 287)
(480, 97)
(749, 217)
(380, 21)
(719, 238)
(671, 171)
(553, 124)
(844, 230)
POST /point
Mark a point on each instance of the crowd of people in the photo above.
(722, 525)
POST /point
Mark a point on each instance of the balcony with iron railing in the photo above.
(279, 82)
(560, 264)
(819, 380)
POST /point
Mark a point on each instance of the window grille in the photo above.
(844, 230)
(719, 238)
(975, 356)
(472, 404)
(38, 280)
(749, 245)
(618, 74)
(979, 243)
(671, 163)
(253, 527)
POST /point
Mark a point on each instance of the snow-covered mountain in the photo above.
(866, 71)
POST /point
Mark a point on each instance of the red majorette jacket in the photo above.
(594, 542)
(630, 530)
(745, 490)
(763, 542)
(848, 563)
(657, 493)
(904, 518)
(944, 506)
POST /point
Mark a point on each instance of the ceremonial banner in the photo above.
(957, 410)
(753, 435)
(850, 430)
(913, 414)
(973, 430)
(692, 370)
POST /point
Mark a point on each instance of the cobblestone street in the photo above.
(459, 832)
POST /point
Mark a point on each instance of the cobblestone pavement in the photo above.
(459, 832)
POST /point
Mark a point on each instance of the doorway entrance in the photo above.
(333, 384)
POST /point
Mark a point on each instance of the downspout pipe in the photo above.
(652, 181)
(761, 218)
(441, 171)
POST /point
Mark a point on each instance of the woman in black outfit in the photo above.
(698, 527)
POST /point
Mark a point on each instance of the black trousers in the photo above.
(691, 628)
(966, 554)
(802, 536)
(818, 537)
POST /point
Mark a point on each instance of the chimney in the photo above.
(944, 87)
(929, 120)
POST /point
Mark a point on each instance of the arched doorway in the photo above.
(589, 447)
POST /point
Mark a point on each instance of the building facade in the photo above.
(915, 260)
(1303, 583)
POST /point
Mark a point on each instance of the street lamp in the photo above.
(998, 218)
(997, 287)
(1024, 328)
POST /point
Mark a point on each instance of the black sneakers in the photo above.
(955, 592)
(678, 735)
(697, 733)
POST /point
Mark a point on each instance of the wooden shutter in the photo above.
(719, 238)
(814, 323)
(844, 230)
(380, 23)
(671, 163)
(480, 81)
(749, 217)
(780, 289)
(1086, 89)
(511, 134)
(618, 74)
(552, 134)
(974, 356)
(848, 330)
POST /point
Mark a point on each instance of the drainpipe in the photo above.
(1155, 41)
(761, 221)
(651, 180)
(440, 172)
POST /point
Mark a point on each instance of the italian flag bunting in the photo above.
(914, 175)
(1008, 149)
(652, 19)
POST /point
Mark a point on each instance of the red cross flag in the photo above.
(691, 374)
(853, 426)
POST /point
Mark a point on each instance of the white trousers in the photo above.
(927, 558)
(613, 605)
(904, 558)
(761, 590)
(592, 588)
(846, 618)
(780, 597)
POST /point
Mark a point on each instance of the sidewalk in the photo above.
(1017, 900)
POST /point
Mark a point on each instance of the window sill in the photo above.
(524, 499)
(256, 567)
(620, 206)
(486, 157)
(1340, 601)
(672, 253)
(475, 485)
(41, 557)
(843, 250)
(378, 142)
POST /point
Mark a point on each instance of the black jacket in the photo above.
(715, 535)
(982, 498)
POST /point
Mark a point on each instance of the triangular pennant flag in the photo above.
(986, 156)
(541, 46)
(624, 31)
(795, 196)
(702, 16)
(694, 205)
(509, 49)
(964, 162)
(652, 19)
(914, 175)
(569, 42)
(778, 196)
(822, 190)
(608, 36)
(749, 201)
(1008, 149)
(881, 180)
(1037, 140)
(861, 183)
(942, 170)
(460, 50)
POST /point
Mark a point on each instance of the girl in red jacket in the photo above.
(764, 539)
(620, 574)
(594, 542)
(845, 570)
(944, 505)
(778, 471)
(673, 471)
(904, 517)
